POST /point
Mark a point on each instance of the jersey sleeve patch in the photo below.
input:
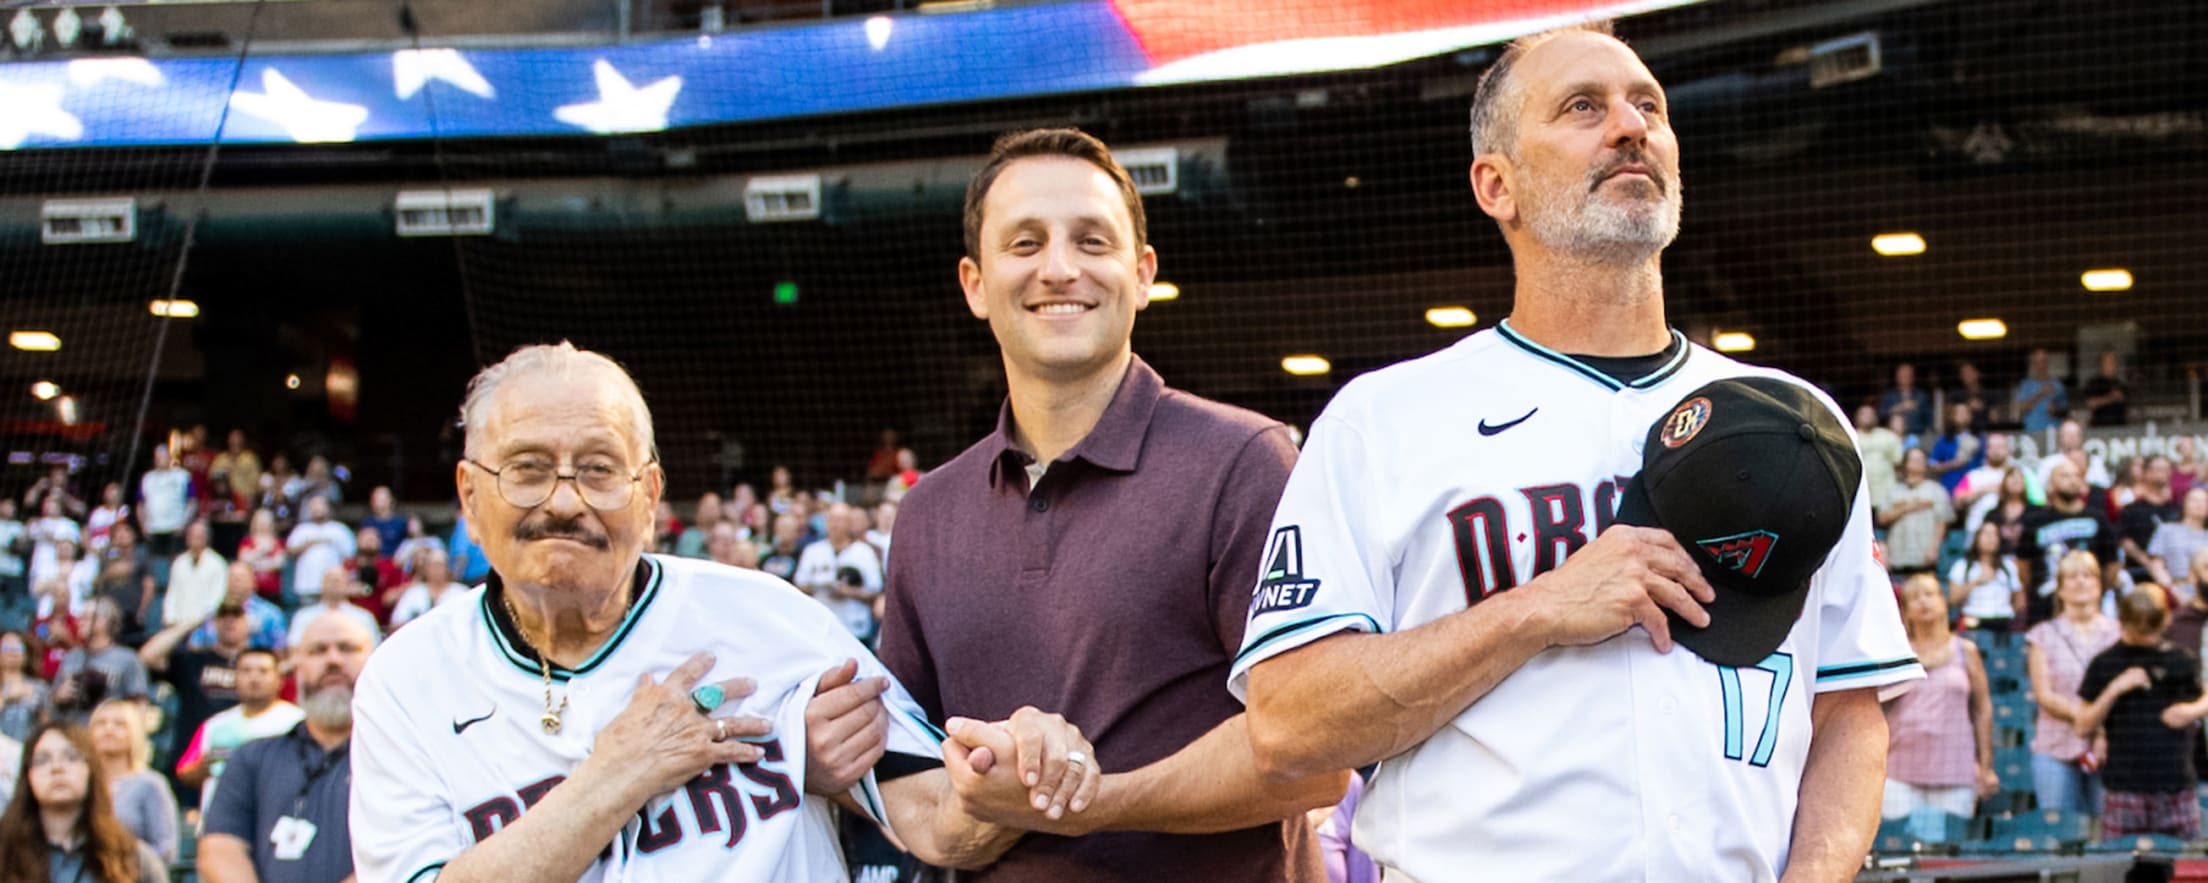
(1866, 674)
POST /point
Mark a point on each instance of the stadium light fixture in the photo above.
(34, 341)
(45, 390)
(2106, 280)
(291, 381)
(1896, 245)
(1451, 317)
(174, 309)
(1982, 329)
(1734, 342)
(1164, 291)
(1306, 365)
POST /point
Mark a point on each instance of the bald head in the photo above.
(557, 369)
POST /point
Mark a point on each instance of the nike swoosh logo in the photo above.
(1491, 430)
(459, 727)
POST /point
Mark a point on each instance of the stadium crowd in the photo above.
(2055, 604)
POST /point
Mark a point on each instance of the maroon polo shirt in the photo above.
(1114, 593)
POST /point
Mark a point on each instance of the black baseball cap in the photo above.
(1756, 478)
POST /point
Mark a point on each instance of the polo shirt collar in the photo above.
(1115, 443)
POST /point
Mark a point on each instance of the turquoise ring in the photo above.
(708, 697)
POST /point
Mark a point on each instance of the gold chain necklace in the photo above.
(551, 718)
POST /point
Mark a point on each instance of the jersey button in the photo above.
(1039, 504)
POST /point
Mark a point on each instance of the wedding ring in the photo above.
(720, 729)
(1077, 758)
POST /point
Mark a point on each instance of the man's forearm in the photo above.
(1351, 699)
(1211, 785)
(924, 816)
(1836, 815)
(556, 839)
(223, 858)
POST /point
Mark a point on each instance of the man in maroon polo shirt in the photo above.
(1093, 557)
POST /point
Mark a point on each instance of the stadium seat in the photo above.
(2162, 843)
(2048, 830)
(2016, 711)
(2014, 767)
(2011, 737)
(2005, 662)
(2009, 800)
(1894, 838)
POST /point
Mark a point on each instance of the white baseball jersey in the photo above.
(1430, 485)
(448, 747)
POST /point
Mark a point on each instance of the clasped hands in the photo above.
(1033, 771)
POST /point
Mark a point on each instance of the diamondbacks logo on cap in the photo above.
(1686, 421)
(1743, 552)
(1284, 587)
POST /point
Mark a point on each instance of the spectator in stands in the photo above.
(1880, 449)
(1985, 584)
(45, 531)
(1958, 450)
(2107, 394)
(164, 504)
(2070, 446)
(2056, 654)
(98, 671)
(318, 482)
(2129, 473)
(23, 695)
(708, 514)
(237, 463)
(265, 623)
(431, 587)
(883, 462)
(418, 538)
(2187, 467)
(885, 518)
(780, 559)
(336, 598)
(11, 763)
(2144, 695)
(15, 571)
(1970, 392)
(2188, 609)
(126, 578)
(466, 556)
(141, 797)
(1985, 480)
(302, 776)
(908, 474)
(2171, 548)
(1905, 399)
(1916, 517)
(821, 570)
(2048, 534)
(206, 676)
(263, 552)
(375, 573)
(111, 511)
(272, 493)
(259, 714)
(196, 579)
(2004, 508)
(61, 820)
(317, 546)
(729, 547)
(384, 518)
(2040, 399)
(226, 514)
(2150, 507)
(1939, 734)
(782, 490)
(193, 455)
(73, 570)
(54, 486)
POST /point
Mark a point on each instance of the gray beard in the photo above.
(1605, 231)
(330, 708)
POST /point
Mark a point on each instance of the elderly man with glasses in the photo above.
(594, 712)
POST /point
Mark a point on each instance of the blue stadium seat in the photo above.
(2016, 711)
(2047, 830)
(1894, 838)
(2014, 767)
(2005, 662)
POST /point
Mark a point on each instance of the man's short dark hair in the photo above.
(273, 659)
(1495, 120)
(1068, 143)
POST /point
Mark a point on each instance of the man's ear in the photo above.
(969, 280)
(1491, 187)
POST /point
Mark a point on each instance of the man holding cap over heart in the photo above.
(1599, 601)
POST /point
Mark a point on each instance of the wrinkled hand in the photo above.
(661, 741)
(846, 729)
(1017, 772)
(2132, 679)
(1628, 576)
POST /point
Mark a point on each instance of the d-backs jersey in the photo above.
(1432, 485)
(448, 747)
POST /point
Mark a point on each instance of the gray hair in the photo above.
(561, 361)
(1495, 106)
